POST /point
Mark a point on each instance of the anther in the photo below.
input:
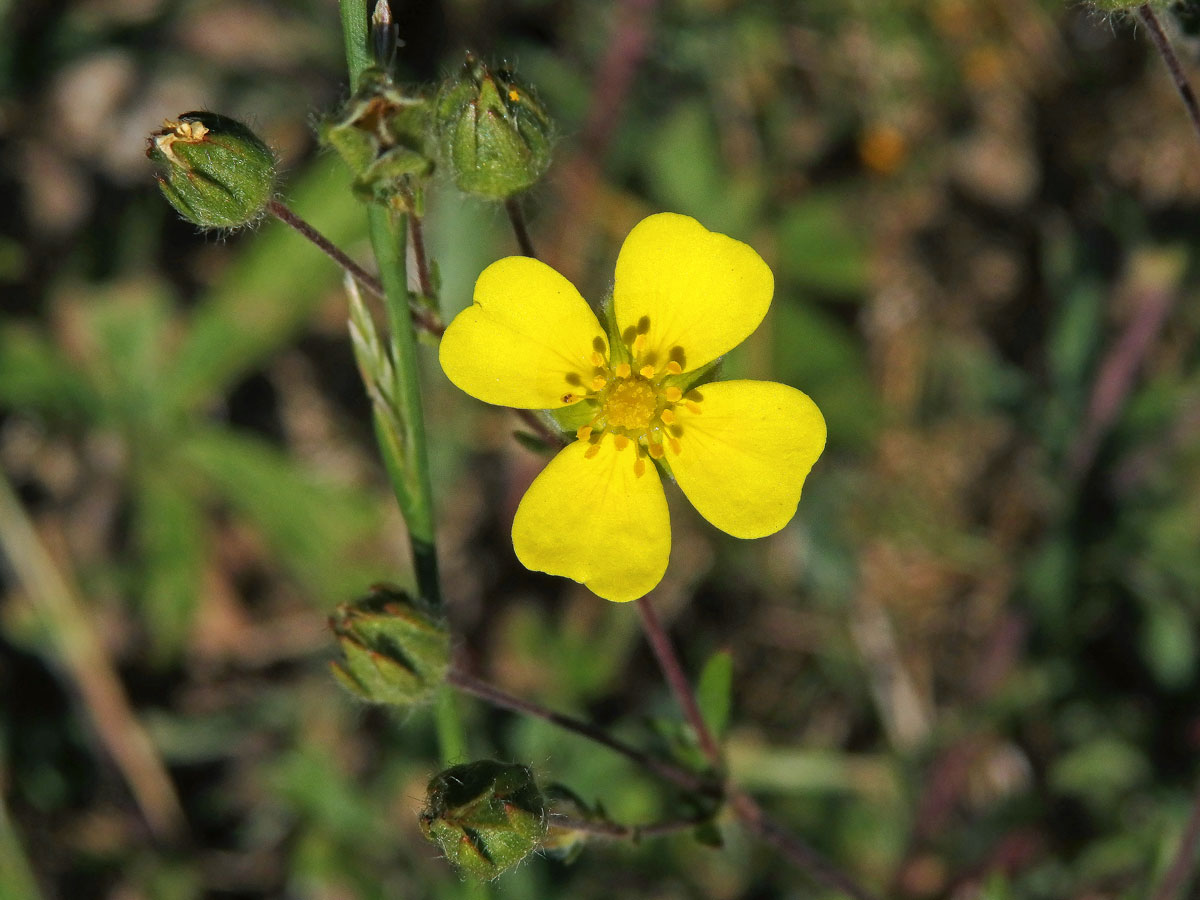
(693, 407)
(639, 468)
(624, 370)
(674, 368)
(591, 451)
(646, 372)
(584, 432)
(597, 358)
(621, 441)
(673, 394)
(639, 343)
(598, 382)
(656, 450)
(675, 448)
(667, 416)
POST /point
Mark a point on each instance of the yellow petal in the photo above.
(695, 294)
(743, 458)
(527, 340)
(596, 521)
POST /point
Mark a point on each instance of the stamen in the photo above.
(674, 368)
(599, 382)
(597, 358)
(646, 372)
(667, 416)
(656, 450)
(584, 432)
(621, 441)
(639, 468)
(639, 343)
(623, 370)
(591, 451)
(675, 448)
(693, 407)
(673, 394)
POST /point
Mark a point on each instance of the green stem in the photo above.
(355, 35)
(416, 493)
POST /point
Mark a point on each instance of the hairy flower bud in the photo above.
(214, 170)
(381, 134)
(396, 648)
(494, 135)
(486, 816)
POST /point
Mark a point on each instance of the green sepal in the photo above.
(382, 134)
(494, 136)
(396, 649)
(214, 170)
(485, 816)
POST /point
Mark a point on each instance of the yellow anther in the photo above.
(639, 343)
(639, 467)
(591, 451)
(667, 416)
(597, 358)
(584, 432)
(646, 371)
(514, 96)
(621, 441)
(624, 370)
(675, 448)
(598, 382)
(674, 368)
(673, 394)
(656, 450)
(693, 407)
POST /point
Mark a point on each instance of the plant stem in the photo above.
(1163, 45)
(517, 217)
(423, 317)
(673, 671)
(632, 832)
(416, 495)
(1185, 857)
(751, 815)
(677, 775)
(416, 233)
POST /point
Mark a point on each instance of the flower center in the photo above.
(631, 403)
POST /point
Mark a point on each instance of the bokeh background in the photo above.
(967, 669)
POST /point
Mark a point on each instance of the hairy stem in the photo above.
(677, 775)
(1163, 45)
(517, 217)
(745, 807)
(673, 672)
(627, 832)
(423, 318)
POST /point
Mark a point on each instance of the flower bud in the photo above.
(493, 134)
(396, 649)
(486, 816)
(381, 134)
(213, 169)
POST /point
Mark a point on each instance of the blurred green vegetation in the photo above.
(969, 667)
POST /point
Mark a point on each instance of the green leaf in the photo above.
(35, 376)
(820, 248)
(170, 530)
(714, 692)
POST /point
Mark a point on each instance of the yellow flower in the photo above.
(740, 450)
